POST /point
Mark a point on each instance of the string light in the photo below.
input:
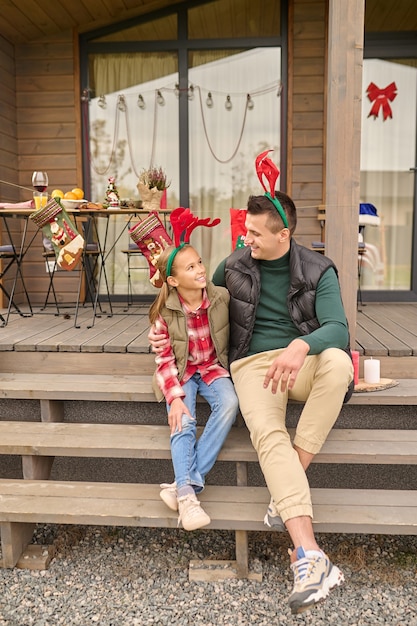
(228, 104)
(177, 90)
(141, 102)
(279, 92)
(250, 102)
(102, 102)
(160, 98)
(209, 101)
(191, 92)
(121, 103)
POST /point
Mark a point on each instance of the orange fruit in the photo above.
(57, 193)
(78, 192)
(70, 196)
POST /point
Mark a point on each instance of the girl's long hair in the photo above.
(160, 300)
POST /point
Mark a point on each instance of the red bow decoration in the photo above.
(266, 167)
(184, 222)
(381, 98)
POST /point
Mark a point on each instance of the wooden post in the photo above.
(39, 467)
(343, 132)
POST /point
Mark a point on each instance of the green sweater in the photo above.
(273, 325)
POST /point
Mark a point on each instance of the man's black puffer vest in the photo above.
(243, 281)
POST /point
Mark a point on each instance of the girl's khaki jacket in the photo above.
(218, 317)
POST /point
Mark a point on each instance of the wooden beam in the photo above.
(342, 195)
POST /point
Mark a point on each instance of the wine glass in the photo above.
(40, 181)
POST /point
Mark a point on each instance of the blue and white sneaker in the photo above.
(272, 518)
(314, 577)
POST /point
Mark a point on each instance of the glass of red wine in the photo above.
(40, 181)
(40, 184)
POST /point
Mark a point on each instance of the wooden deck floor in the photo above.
(383, 330)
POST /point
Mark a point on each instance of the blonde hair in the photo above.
(162, 264)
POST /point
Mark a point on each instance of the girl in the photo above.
(195, 316)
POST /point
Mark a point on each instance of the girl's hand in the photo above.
(176, 411)
(158, 340)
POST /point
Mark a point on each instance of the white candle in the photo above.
(371, 370)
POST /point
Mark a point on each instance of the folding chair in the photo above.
(12, 257)
(131, 252)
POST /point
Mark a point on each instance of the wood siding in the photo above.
(306, 113)
(8, 145)
(49, 137)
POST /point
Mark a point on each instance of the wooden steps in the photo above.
(230, 508)
(138, 388)
(241, 508)
(386, 447)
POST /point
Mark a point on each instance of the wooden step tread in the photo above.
(138, 388)
(152, 442)
(230, 508)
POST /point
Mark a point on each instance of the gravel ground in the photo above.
(134, 576)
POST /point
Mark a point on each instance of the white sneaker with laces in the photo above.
(191, 513)
(314, 577)
(168, 494)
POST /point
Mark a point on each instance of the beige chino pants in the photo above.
(322, 384)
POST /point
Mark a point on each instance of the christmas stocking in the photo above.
(58, 227)
(151, 238)
(237, 223)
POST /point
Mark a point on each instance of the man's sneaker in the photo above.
(168, 494)
(314, 577)
(192, 516)
(272, 518)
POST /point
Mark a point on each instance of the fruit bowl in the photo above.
(71, 204)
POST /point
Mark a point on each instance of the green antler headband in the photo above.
(267, 168)
(183, 223)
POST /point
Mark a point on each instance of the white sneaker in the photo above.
(168, 494)
(273, 519)
(314, 577)
(192, 515)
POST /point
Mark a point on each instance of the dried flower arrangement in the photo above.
(154, 177)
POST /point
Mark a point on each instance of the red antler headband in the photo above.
(183, 223)
(267, 168)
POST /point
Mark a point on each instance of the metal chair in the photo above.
(132, 251)
(12, 257)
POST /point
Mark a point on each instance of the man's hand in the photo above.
(159, 341)
(286, 366)
(176, 411)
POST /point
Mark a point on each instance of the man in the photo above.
(288, 340)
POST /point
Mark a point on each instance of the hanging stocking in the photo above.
(59, 229)
(237, 223)
(151, 238)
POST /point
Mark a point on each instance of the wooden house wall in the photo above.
(49, 136)
(306, 113)
(8, 144)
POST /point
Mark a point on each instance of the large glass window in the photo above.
(200, 110)
(387, 181)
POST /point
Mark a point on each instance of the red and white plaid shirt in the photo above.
(201, 354)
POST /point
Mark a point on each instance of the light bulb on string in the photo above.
(228, 104)
(209, 101)
(141, 102)
(191, 92)
(250, 102)
(177, 90)
(279, 92)
(102, 102)
(160, 98)
(121, 103)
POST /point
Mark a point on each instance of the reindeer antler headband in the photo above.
(183, 223)
(266, 167)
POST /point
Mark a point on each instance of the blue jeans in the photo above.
(193, 459)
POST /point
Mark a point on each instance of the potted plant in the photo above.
(151, 185)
